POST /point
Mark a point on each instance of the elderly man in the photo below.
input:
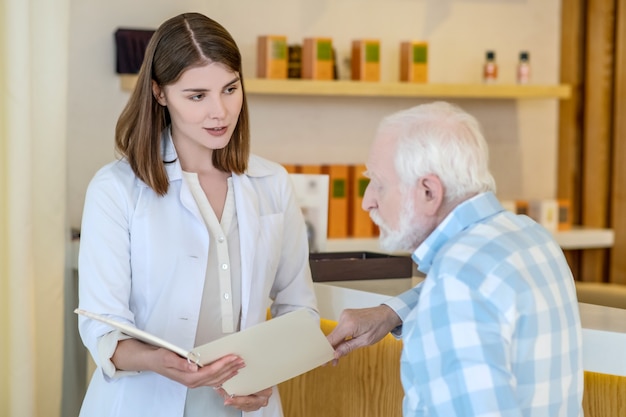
(494, 328)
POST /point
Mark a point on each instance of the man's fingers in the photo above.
(337, 336)
(347, 346)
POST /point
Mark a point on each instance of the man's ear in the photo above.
(158, 93)
(431, 192)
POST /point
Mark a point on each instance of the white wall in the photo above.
(522, 134)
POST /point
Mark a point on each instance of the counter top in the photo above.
(604, 328)
(576, 238)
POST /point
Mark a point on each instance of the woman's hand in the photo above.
(250, 402)
(192, 376)
(133, 355)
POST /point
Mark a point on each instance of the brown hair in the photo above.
(184, 41)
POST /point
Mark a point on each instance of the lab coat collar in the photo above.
(256, 166)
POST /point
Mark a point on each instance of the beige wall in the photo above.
(522, 134)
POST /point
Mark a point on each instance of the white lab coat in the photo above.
(159, 288)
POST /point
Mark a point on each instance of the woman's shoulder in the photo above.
(262, 167)
(115, 174)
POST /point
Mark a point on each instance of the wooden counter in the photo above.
(604, 328)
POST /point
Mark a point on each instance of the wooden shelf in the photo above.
(391, 89)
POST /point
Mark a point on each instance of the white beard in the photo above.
(410, 233)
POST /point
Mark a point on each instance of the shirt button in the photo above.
(224, 267)
(226, 296)
(220, 239)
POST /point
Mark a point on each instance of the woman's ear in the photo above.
(158, 93)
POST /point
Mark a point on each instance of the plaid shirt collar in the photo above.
(465, 215)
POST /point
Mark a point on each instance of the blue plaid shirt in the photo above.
(494, 329)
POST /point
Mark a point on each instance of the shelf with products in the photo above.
(302, 87)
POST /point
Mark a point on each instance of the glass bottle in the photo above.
(523, 68)
(490, 68)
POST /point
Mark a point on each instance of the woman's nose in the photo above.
(217, 110)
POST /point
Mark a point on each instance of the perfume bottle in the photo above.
(523, 68)
(490, 68)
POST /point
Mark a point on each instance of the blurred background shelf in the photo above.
(297, 87)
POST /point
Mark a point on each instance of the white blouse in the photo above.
(220, 311)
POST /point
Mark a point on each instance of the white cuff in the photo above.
(106, 348)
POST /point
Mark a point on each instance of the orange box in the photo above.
(365, 60)
(291, 168)
(414, 61)
(521, 207)
(360, 223)
(308, 169)
(337, 200)
(317, 59)
(272, 56)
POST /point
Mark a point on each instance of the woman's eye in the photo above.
(231, 89)
(197, 97)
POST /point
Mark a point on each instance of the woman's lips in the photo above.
(216, 131)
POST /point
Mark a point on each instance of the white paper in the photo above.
(273, 351)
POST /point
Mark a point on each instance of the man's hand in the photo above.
(362, 327)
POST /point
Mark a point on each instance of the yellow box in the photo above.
(509, 205)
(317, 59)
(545, 212)
(414, 61)
(365, 60)
(272, 56)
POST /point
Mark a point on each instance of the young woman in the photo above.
(187, 235)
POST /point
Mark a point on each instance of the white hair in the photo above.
(441, 139)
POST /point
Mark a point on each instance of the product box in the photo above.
(291, 168)
(130, 48)
(360, 223)
(311, 192)
(294, 61)
(272, 56)
(509, 205)
(521, 207)
(565, 214)
(317, 59)
(414, 61)
(308, 169)
(365, 60)
(545, 212)
(338, 209)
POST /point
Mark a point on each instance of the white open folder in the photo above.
(274, 351)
